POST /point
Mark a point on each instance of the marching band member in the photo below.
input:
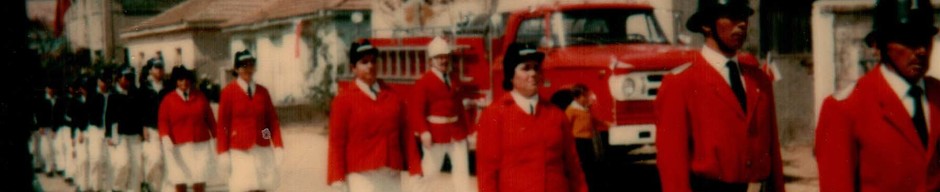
(186, 124)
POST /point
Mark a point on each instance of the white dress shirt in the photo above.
(244, 85)
(528, 105)
(900, 87)
(718, 61)
(365, 89)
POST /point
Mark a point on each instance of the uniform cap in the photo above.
(902, 20)
(360, 49)
(517, 54)
(438, 46)
(709, 10)
(242, 58)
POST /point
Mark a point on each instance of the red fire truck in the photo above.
(618, 49)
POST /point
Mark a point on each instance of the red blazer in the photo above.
(701, 129)
(186, 121)
(518, 152)
(241, 120)
(432, 97)
(867, 142)
(367, 134)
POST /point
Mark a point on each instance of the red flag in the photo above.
(298, 32)
(61, 7)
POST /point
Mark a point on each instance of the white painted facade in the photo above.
(85, 25)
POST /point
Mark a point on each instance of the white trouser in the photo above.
(62, 148)
(125, 161)
(97, 159)
(434, 158)
(188, 163)
(34, 149)
(383, 179)
(82, 169)
(153, 166)
(254, 169)
(47, 150)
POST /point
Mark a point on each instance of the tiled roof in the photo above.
(291, 8)
(214, 12)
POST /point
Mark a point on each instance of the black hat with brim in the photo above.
(517, 54)
(902, 22)
(360, 49)
(242, 58)
(180, 73)
(709, 10)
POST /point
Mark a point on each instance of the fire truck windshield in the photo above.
(599, 27)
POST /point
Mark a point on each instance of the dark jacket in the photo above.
(50, 114)
(103, 112)
(78, 113)
(149, 99)
(129, 120)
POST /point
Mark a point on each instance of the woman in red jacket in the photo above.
(185, 124)
(369, 143)
(248, 125)
(525, 143)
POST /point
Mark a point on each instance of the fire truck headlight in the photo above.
(628, 87)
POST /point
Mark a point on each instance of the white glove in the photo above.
(426, 139)
(340, 186)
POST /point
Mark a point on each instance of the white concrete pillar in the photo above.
(823, 56)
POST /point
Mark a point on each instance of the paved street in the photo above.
(304, 168)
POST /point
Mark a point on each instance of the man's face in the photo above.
(730, 31)
(157, 73)
(441, 62)
(365, 69)
(527, 78)
(183, 84)
(911, 60)
(247, 70)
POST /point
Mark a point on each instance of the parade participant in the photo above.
(716, 128)
(102, 121)
(878, 134)
(125, 147)
(78, 113)
(68, 141)
(369, 143)
(585, 128)
(153, 89)
(437, 115)
(50, 118)
(186, 124)
(524, 143)
(249, 132)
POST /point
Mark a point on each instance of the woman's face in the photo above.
(184, 84)
(245, 72)
(527, 78)
(365, 69)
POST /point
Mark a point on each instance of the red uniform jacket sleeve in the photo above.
(339, 119)
(223, 129)
(488, 151)
(417, 108)
(163, 119)
(672, 136)
(272, 122)
(410, 148)
(835, 149)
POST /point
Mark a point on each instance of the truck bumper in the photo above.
(643, 134)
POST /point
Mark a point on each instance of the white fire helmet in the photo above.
(438, 46)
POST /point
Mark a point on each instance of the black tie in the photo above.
(735, 76)
(446, 81)
(920, 123)
(249, 91)
(374, 91)
(186, 95)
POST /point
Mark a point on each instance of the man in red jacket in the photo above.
(716, 125)
(248, 125)
(877, 135)
(437, 116)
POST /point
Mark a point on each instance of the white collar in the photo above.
(156, 84)
(524, 102)
(120, 90)
(715, 58)
(50, 97)
(244, 85)
(897, 83)
(439, 74)
(182, 95)
(365, 88)
(578, 106)
(103, 93)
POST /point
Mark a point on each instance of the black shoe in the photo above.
(145, 187)
(69, 181)
(50, 174)
(60, 173)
